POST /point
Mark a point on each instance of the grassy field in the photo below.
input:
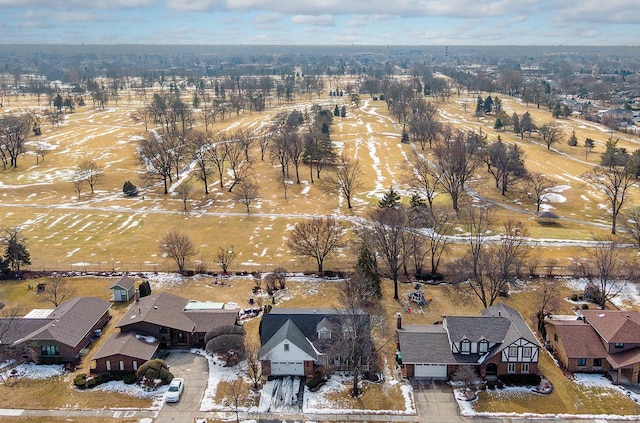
(106, 231)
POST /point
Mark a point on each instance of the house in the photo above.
(497, 343)
(598, 341)
(297, 342)
(124, 352)
(159, 321)
(176, 321)
(59, 334)
(123, 289)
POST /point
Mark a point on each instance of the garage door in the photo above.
(287, 368)
(431, 370)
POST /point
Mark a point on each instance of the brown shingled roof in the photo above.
(615, 326)
(127, 344)
(578, 338)
(125, 282)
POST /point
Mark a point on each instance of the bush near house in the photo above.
(521, 379)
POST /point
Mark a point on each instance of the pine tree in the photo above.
(479, 106)
(573, 140)
(367, 269)
(336, 111)
(343, 111)
(488, 105)
(390, 199)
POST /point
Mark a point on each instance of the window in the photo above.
(526, 352)
(135, 365)
(121, 366)
(163, 330)
(483, 346)
(324, 334)
(465, 346)
(555, 337)
(513, 351)
(50, 350)
(582, 362)
(108, 365)
(619, 345)
(286, 347)
(525, 368)
(597, 362)
(511, 367)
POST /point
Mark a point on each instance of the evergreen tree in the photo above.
(498, 125)
(390, 199)
(487, 106)
(16, 253)
(336, 111)
(497, 105)
(573, 140)
(367, 268)
(129, 189)
(479, 106)
(516, 123)
(343, 111)
(417, 201)
(144, 289)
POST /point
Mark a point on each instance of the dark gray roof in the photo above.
(289, 331)
(127, 344)
(429, 344)
(474, 328)
(71, 321)
(306, 320)
(125, 282)
(518, 328)
(206, 320)
(16, 328)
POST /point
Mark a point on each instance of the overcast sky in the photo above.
(407, 22)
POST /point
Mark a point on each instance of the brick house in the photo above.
(497, 343)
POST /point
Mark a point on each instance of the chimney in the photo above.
(398, 321)
(499, 313)
(137, 295)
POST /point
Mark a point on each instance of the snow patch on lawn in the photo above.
(33, 371)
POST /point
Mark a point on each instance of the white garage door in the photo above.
(287, 368)
(431, 370)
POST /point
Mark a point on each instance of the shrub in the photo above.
(574, 297)
(223, 330)
(80, 381)
(129, 378)
(585, 306)
(144, 289)
(129, 189)
(500, 385)
(223, 344)
(155, 369)
(521, 379)
(91, 383)
(316, 382)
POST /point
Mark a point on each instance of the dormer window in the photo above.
(324, 334)
(619, 345)
(465, 346)
(286, 347)
(483, 346)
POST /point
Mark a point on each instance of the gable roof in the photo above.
(289, 331)
(474, 328)
(168, 310)
(70, 322)
(518, 328)
(125, 282)
(127, 344)
(305, 319)
(615, 326)
(578, 339)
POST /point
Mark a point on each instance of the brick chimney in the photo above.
(398, 321)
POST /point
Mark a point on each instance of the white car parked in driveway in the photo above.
(175, 390)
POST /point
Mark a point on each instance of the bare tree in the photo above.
(607, 261)
(438, 235)
(345, 179)
(217, 156)
(551, 134)
(254, 366)
(225, 256)
(467, 376)
(142, 116)
(235, 393)
(475, 267)
(9, 350)
(155, 155)
(184, 192)
(78, 183)
(510, 253)
(179, 247)
(383, 235)
(199, 145)
(57, 290)
(614, 181)
(247, 193)
(91, 172)
(631, 223)
(456, 161)
(239, 168)
(423, 177)
(537, 186)
(14, 133)
(316, 238)
(506, 163)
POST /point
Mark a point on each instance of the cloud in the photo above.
(595, 11)
(77, 4)
(81, 17)
(322, 20)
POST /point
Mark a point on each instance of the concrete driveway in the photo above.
(194, 369)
